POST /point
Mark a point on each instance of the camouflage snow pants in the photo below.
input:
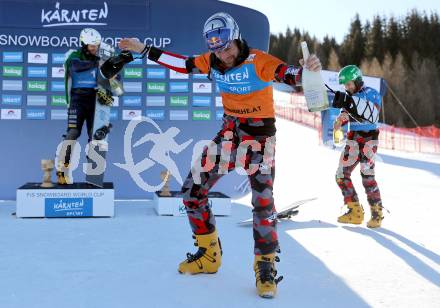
(361, 148)
(249, 153)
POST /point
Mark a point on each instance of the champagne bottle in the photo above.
(313, 85)
(338, 137)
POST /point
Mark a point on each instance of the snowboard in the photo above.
(98, 147)
(285, 212)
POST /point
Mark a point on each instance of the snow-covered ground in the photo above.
(131, 260)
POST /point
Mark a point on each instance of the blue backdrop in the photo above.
(34, 35)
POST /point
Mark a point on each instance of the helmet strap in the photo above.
(87, 53)
(359, 83)
(84, 49)
(244, 51)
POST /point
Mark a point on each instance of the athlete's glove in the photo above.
(341, 100)
(345, 101)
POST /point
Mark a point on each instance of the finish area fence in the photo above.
(292, 106)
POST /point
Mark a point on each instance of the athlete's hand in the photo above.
(341, 119)
(131, 44)
(337, 125)
(313, 63)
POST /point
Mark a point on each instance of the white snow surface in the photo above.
(131, 260)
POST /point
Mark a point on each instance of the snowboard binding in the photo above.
(104, 97)
(102, 132)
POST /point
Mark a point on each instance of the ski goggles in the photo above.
(218, 39)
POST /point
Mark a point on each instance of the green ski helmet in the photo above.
(350, 73)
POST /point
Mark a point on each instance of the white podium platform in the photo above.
(173, 205)
(75, 200)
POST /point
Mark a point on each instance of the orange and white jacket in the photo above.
(246, 89)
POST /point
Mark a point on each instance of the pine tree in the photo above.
(333, 61)
(375, 46)
(294, 51)
(392, 38)
(403, 51)
(353, 47)
(324, 50)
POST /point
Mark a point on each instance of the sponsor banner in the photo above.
(36, 100)
(201, 115)
(58, 72)
(176, 87)
(115, 101)
(11, 114)
(12, 85)
(132, 101)
(218, 101)
(219, 114)
(201, 101)
(202, 87)
(177, 75)
(179, 101)
(149, 62)
(135, 61)
(36, 114)
(155, 101)
(114, 114)
(37, 71)
(58, 86)
(13, 57)
(129, 115)
(64, 15)
(156, 73)
(68, 42)
(39, 58)
(133, 72)
(68, 207)
(9, 99)
(58, 58)
(58, 100)
(12, 71)
(179, 115)
(156, 87)
(156, 114)
(37, 85)
(132, 86)
(200, 76)
(58, 114)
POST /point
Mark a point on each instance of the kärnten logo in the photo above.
(71, 17)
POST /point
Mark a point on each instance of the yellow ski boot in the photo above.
(376, 216)
(207, 259)
(354, 215)
(265, 273)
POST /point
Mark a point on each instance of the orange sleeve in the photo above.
(266, 65)
(202, 62)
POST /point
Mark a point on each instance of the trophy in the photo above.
(165, 176)
(47, 166)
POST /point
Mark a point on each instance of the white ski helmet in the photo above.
(89, 36)
(220, 30)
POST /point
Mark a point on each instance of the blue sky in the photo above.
(321, 17)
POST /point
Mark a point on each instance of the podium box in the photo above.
(75, 200)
